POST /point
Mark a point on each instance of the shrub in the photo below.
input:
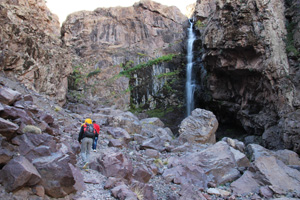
(32, 129)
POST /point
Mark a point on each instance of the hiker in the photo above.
(86, 138)
(97, 128)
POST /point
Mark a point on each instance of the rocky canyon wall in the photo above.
(31, 49)
(106, 41)
(249, 76)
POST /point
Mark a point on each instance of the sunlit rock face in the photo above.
(249, 76)
(107, 39)
(31, 49)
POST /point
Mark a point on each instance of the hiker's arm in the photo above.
(80, 134)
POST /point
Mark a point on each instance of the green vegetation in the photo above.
(150, 63)
(93, 73)
(168, 74)
(290, 47)
(159, 112)
(199, 24)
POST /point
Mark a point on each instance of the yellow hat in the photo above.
(88, 120)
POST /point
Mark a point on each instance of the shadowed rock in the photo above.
(7, 128)
(8, 96)
(17, 173)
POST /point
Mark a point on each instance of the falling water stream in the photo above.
(190, 83)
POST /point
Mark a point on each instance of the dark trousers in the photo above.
(95, 143)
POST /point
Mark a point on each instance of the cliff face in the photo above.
(31, 48)
(109, 40)
(249, 75)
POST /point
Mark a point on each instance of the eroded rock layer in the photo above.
(31, 49)
(109, 40)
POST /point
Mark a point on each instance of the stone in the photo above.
(217, 161)
(8, 96)
(119, 133)
(39, 190)
(199, 127)
(7, 128)
(186, 175)
(10, 112)
(266, 192)
(153, 121)
(142, 174)
(280, 178)
(245, 184)
(151, 153)
(60, 177)
(154, 143)
(123, 192)
(113, 164)
(127, 121)
(240, 158)
(17, 173)
(115, 143)
(5, 156)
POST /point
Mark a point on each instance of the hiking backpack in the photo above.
(89, 130)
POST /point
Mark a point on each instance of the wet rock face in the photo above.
(128, 36)
(246, 60)
(31, 49)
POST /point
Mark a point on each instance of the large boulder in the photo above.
(17, 173)
(267, 170)
(59, 178)
(217, 161)
(127, 121)
(199, 127)
(113, 164)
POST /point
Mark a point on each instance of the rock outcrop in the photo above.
(31, 49)
(107, 41)
(248, 80)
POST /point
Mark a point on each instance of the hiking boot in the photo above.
(85, 166)
(95, 150)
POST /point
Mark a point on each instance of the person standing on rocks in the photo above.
(86, 137)
(97, 128)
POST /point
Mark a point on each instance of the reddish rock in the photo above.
(7, 128)
(187, 175)
(10, 112)
(115, 143)
(142, 173)
(123, 192)
(8, 96)
(119, 133)
(113, 165)
(39, 190)
(59, 176)
(5, 156)
(17, 173)
(152, 153)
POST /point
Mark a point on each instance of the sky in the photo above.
(63, 8)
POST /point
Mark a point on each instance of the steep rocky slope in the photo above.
(31, 49)
(109, 40)
(136, 159)
(249, 77)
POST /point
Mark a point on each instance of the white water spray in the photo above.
(190, 85)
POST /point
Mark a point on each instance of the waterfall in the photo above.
(190, 83)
